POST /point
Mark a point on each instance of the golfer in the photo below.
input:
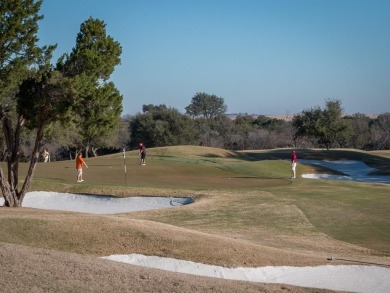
(142, 153)
(46, 156)
(79, 166)
(293, 164)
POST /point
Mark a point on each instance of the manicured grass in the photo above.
(356, 213)
(174, 169)
(242, 199)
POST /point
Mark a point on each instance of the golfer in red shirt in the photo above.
(142, 153)
(293, 164)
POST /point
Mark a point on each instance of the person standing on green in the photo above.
(79, 166)
(294, 164)
(142, 153)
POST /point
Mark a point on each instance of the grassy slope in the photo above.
(247, 210)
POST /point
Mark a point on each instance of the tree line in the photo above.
(206, 123)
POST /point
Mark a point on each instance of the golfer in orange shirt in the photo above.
(79, 166)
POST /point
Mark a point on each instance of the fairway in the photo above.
(165, 171)
(245, 204)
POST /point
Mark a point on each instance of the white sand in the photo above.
(354, 278)
(344, 278)
(354, 170)
(97, 204)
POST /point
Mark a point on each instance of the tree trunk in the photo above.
(33, 162)
(10, 198)
(86, 150)
(9, 186)
(94, 151)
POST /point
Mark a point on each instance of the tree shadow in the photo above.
(380, 163)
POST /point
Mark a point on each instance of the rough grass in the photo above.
(41, 270)
(247, 212)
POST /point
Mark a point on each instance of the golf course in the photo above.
(246, 212)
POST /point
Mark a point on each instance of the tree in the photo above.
(33, 94)
(123, 132)
(209, 106)
(95, 55)
(360, 134)
(261, 132)
(18, 49)
(305, 123)
(243, 128)
(92, 61)
(18, 52)
(161, 126)
(326, 125)
(331, 125)
(380, 132)
(98, 116)
(42, 99)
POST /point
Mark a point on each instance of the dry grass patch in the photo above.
(101, 235)
(33, 270)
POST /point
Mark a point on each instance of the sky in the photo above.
(264, 57)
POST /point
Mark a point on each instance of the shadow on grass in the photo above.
(380, 163)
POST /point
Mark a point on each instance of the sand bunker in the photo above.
(97, 204)
(341, 278)
(354, 170)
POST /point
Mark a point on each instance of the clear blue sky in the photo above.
(261, 57)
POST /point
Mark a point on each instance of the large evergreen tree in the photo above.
(18, 51)
(98, 104)
(98, 116)
(33, 94)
